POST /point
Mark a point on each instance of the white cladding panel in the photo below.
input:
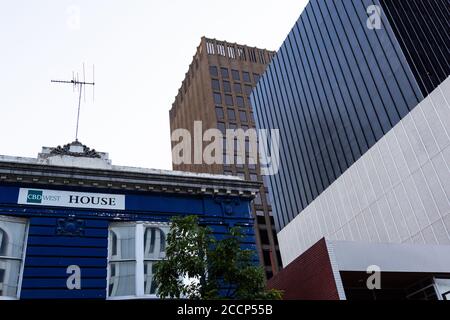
(398, 192)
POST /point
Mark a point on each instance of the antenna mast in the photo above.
(79, 84)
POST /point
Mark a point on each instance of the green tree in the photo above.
(215, 269)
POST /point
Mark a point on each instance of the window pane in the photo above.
(240, 101)
(217, 98)
(231, 114)
(237, 88)
(224, 72)
(12, 238)
(221, 127)
(261, 220)
(12, 242)
(228, 100)
(267, 259)
(215, 85)
(122, 280)
(155, 243)
(226, 86)
(219, 113)
(235, 74)
(213, 71)
(3, 242)
(246, 76)
(243, 116)
(248, 89)
(264, 237)
(256, 77)
(9, 277)
(149, 283)
(123, 243)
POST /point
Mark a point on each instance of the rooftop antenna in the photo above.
(77, 84)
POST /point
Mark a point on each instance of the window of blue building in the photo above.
(12, 244)
(134, 248)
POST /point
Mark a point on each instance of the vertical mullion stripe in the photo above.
(287, 150)
(282, 210)
(361, 145)
(306, 178)
(307, 136)
(419, 30)
(371, 80)
(319, 154)
(287, 195)
(372, 138)
(335, 120)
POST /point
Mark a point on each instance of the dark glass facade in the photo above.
(333, 90)
(423, 28)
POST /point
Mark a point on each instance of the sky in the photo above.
(141, 50)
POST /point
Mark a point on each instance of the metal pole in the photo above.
(78, 116)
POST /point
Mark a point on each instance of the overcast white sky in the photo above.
(141, 50)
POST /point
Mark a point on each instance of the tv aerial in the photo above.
(78, 85)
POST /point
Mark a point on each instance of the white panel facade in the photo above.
(390, 257)
(398, 192)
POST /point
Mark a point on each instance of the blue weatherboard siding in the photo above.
(48, 256)
(9, 195)
(50, 251)
(333, 90)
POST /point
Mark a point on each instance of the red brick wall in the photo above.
(309, 277)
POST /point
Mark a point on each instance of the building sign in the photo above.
(56, 198)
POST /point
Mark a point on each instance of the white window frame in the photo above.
(22, 259)
(139, 258)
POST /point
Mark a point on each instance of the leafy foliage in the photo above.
(215, 269)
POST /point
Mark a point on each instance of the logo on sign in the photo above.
(34, 196)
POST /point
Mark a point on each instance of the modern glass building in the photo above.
(360, 93)
(338, 84)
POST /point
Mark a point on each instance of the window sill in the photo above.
(147, 297)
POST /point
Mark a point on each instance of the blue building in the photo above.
(359, 92)
(72, 225)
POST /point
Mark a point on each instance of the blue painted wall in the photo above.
(49, 252)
